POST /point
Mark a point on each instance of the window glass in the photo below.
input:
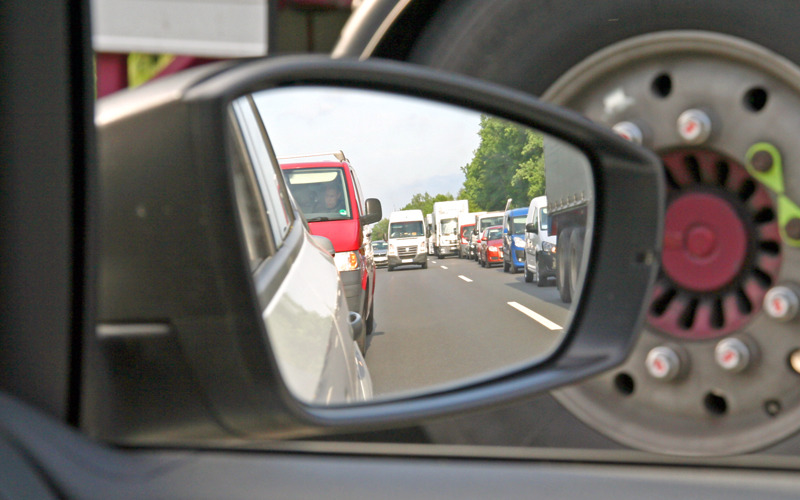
(320, 192)
(249, 203)
(518, 224)
(405, 229)
(265, 166)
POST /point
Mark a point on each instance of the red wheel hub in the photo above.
(705, 242)
(721, 248)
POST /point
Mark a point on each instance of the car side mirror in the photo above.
(192, 291)
(531, 228)
(373, 209)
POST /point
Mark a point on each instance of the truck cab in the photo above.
(514, 239)
(540, 246)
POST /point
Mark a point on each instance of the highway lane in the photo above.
(456, 320)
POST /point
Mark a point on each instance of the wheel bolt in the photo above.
(793, 228)
(782, 303)
(694, 126)
(732, 355)
(663, 363)
(629, 131)
(762, 161)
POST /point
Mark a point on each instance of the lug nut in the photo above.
(629, 131)
(694, 126)
(663, 363)
(793, 228)
(782, 303)
(732, 355)
(762, 161)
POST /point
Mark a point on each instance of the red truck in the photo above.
(326, 188)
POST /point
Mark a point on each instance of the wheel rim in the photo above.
(723, 242)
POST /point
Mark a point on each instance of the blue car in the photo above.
(514, 239)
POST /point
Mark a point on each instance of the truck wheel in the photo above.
(505, 266)
(564, 265)
(528, 275)
(425, 265)
(575, 259)
(738, 58)
(389, 268)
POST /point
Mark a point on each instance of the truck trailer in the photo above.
(570, 193)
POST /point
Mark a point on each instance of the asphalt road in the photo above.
(457, 320)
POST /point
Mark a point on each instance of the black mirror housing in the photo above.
(208, 343)
(531, 228)
(373, 209)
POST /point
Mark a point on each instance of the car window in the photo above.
(249, 201)
(518, 224)
(265, 166)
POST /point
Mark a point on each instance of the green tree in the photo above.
(379, 230)
(507, 164)
(424, 201)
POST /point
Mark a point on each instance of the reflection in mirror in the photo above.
(447, 310)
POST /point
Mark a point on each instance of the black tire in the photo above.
(528, 275)
(505, 266)
(540, 280)
(563, 265)
(530, 44)
(389, 268)
(425, 265)
(370, 323)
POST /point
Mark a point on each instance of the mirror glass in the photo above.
(447, 310)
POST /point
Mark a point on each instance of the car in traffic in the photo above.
(406, 239)
(482, 221)
(540, 245)
(329, 194)
(514, 239)
(464, 247)
(380, 251)
(490, 246)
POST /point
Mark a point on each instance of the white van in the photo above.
(540, 247)
(406, 238)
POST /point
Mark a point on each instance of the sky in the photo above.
(398, 145)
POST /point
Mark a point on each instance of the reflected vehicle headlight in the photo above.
(346, 261)
(548, 247)
(492, 248)
(423, 247)
(392, 250)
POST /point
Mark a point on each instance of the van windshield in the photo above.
(408, 229)
(320, 193)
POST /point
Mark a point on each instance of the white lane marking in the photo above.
(444, 267)
(434, 262)
(465, 278)
(534, 316)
